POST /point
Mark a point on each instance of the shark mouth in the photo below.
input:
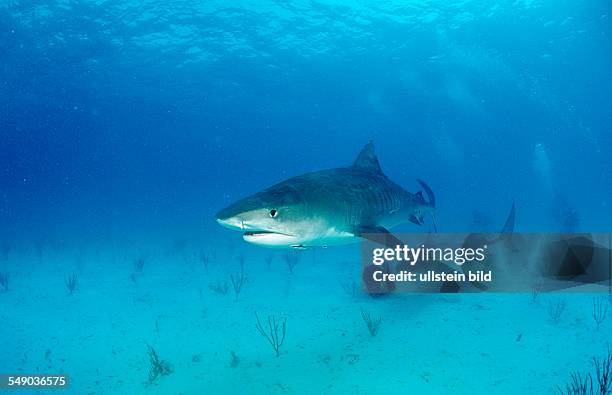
(268, 238)
(256, 233)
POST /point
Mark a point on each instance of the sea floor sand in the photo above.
(427, 343)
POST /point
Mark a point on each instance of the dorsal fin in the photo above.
(367, 160)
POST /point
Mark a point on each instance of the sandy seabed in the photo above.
(427, 343)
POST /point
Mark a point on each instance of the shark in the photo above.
(348, 204)
(330, 207)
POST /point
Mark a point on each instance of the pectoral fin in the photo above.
(378, 234)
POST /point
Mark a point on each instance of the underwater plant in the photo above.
(4, 281)
(603, 369)
(584, 385)
(555, 310)
(204, 259)
(291, 259)
(579, 385)
(238, 282)
(235, 360)
(71, 283)
(600, 310)
(219, 287)
(271, 333)
(138, 265)
(158, 367)
(373, 323)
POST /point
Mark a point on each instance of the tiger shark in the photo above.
(329, 207)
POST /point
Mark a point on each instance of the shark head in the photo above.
(275, 217)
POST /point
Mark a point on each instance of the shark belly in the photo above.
(269, 239)
(333, 236)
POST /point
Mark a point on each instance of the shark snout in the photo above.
(236, 222)
(231, 222)
(230, 218)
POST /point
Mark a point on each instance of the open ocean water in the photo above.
(125, 126)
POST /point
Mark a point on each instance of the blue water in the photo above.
(125, 126)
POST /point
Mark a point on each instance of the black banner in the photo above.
(477, 262)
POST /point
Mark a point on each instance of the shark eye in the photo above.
(273, 213)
